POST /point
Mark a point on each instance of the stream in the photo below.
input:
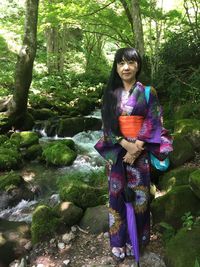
(43, 179)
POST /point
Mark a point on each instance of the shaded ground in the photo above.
(88, 250)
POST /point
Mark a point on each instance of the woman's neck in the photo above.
(128, 85)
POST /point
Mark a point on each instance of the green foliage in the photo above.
(196, 264)
(168, 231)
(188, 220)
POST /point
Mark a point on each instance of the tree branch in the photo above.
(98, 10)
(128, 12)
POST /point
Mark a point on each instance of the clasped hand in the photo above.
(133, 151)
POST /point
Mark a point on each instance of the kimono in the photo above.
(137, 176)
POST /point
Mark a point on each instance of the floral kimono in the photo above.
(137, 176)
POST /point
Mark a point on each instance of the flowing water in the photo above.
(44, 178)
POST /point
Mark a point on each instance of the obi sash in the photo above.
(130, 125)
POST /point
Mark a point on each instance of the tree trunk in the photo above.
(137, 26)
(24, 66)
(55, 49)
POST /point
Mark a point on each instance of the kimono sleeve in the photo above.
(152, 125)
(108, 147)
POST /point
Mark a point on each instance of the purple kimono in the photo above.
(138, 174)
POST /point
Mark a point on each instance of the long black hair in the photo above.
(109, 116)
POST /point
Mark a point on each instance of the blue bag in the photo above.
(161, 165)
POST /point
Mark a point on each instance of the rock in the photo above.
(175, 177)
(183, 249)
(61, 246)
(10, 156)
(13, 235)
(95, 219)
(173, 205)
(73, 229)
(33, 152)
(191, 129)
(44, 223)
(183, 151)
(68, 237)
(25, 138)
(70, 213)
(194, 180)
(66, 262)
(43, 113)
(13, 189)
(81, 194)
(58, 153)
(54, 200)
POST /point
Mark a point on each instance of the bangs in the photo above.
(127, 54)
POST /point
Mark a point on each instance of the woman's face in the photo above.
(127, 70)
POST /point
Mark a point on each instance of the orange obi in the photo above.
(130, 125)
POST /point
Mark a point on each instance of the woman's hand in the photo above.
(132, 148)
(129, 158)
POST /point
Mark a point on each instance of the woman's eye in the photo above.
(131, 62)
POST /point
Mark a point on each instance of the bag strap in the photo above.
(147, 93)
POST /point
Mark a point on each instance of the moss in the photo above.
(187, 111)
(3, 138)
(10, 157)
(44, 224)
(59, 154)
(173, 205)
(178, 176)
(81, 194)
(71, 126)
(33, 152)
(9, 180)
(194, 180)
(183, 249)
(183, 151)
(26, 138)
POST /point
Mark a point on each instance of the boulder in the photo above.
(194, 181)
(58, 153)
(13, 238)
(25, 138)
(173, 205)
(70, 214)
(33, 152)
(82, 194)
(95, 219)
(175, 177)
(43, 113)
(184, 248)
(191, 129)
(183, 151)
(44, 223)
(10, 156)
(13, 189)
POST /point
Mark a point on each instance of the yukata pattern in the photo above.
(138, 174)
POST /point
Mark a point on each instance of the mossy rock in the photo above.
(59, 154)
(173, 205)
(26, 138)
(43, 113)
(10, 180)
(183, 151)
(194, 180)
(187, 111)
(70, 214)
(71, 126)
(95, 220)
(44, 224)
(5, 124)
(93, 124)
(191, 129)
(10, 157)
(175, 177)
(81, 194)
(184, 248)
(33, 152)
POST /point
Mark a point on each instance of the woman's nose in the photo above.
(126, 66)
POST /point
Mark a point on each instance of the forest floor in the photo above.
(89, 250)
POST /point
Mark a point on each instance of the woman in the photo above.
(132, 127)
